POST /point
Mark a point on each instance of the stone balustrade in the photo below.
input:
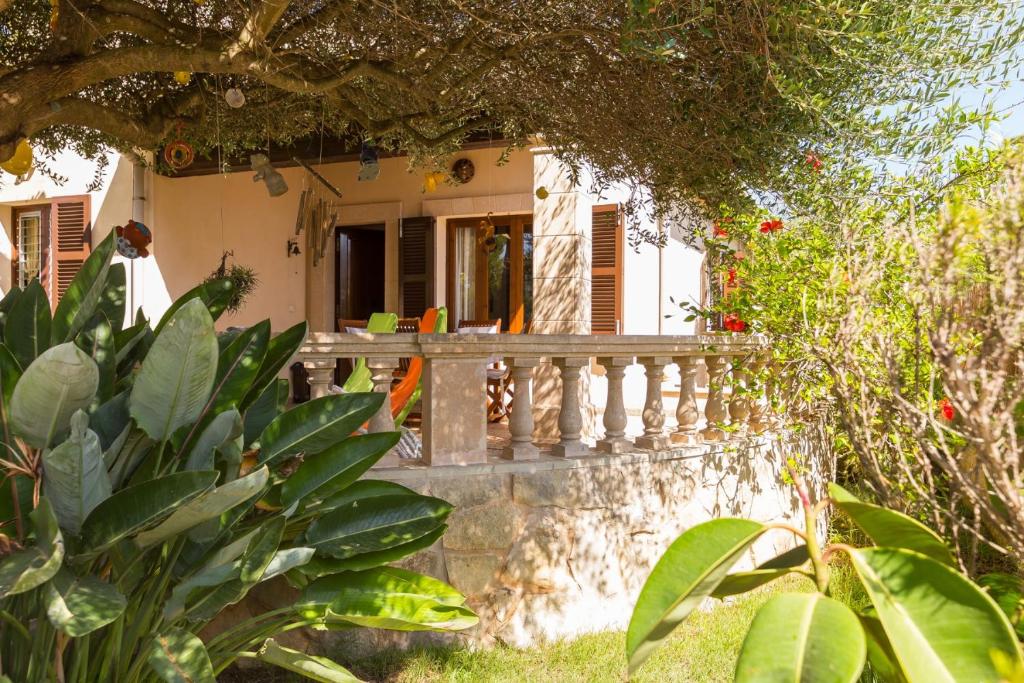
(454, 424)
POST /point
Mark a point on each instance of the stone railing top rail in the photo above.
(339, 345)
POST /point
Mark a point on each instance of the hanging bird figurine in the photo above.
(274, 181)
(369, 162)
(132, 239)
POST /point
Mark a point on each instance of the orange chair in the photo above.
(405, 394)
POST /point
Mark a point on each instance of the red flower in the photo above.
(719, 232)
(731, 277)
(733, 323)
(946, 409)
(814, 161)
(773, 225)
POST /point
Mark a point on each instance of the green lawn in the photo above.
(703, 649)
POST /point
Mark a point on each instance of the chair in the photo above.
(405, 326)
(379, 323)
(499, 396)
(407, 392)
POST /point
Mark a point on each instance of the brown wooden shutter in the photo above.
(416, 266)
(606, 270)
(70, 242)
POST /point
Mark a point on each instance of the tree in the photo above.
(703, 99)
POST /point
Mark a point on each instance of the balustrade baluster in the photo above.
(520, 422)
(615, 440)
(321, 376)
(654, 437)
(382, 372)
(687, 413)
(570, 422)
(714, 409)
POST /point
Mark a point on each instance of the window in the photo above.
(30, 242)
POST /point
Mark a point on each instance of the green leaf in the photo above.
(97, 340)
(129, 454)
(177, 656)
(802, 637)
(308, 666)
(279, 351)
(83, 295)
(177, 375)
(214, 297)
(78, 605)
(337, 467)
(127, 339)
(375, 524)
(890, 528)
(743, 582)
(27, 328)
(6, 303)
(322, 566)
(316, 425)
(16, 492)
(794, 557)
(114, 296)
(33, 566)
(10, 373)
(940, 626)
(110, 419)
(76, 478)
(261, 549)
(208, 505)
(142, 506)
(1008, 592)
(687, 573)
(880, 654)
(389, 598)
(264, 410)
(238, 366)
(60, 382)
(222, 428)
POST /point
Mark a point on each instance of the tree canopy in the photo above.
(694, 99)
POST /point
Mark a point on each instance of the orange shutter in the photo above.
(416, 266)
(70, 242)
(606, 270)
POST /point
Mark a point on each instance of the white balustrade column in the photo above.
(714, 409)
(687, 413)
(382, 372)
(455, 410)
(759, 403)
(570, 421)
(520, 422)
(654, 437)
(739, 402)
(615, 440)
(321, 376)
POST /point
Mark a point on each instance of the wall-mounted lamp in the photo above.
(293, 248)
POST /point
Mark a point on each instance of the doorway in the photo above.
(490, 270)
(359, 272)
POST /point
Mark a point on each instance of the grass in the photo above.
(703, 649)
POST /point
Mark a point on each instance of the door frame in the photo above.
(516, 223)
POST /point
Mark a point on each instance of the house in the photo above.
(606, 458)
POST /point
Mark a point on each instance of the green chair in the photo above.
(361, 380)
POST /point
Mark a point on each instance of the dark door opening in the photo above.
(359, 272)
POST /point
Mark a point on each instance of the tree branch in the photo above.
(256, 28)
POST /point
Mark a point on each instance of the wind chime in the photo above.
(318, 212)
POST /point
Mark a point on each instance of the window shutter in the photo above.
(416, 266)
(70, 242)
(606, 270)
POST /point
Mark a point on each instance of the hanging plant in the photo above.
(242, 277)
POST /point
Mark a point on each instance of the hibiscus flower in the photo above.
(733, 323)
(773, 225)
(730, 277)
(946, 409)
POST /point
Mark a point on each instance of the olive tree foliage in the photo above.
(693, 99)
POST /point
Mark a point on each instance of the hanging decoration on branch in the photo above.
(369, 162)
(234, 97)
(21, 162)
(318, 213)
(179, 154)
(433, 179)
(132, 239)
(183, 77)
(463, 170)
(274, 181)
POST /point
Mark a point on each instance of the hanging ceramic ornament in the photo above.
(542, 192)
(179, 154)
(234, 98)
(274, 181)
(182, 77)
(21, 162)
(463, 170)
(432, 180)
(132, 239)
(369, 162)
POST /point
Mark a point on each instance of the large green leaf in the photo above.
(78, 605)
(129, 338)
(688, 572)
(110, 419)
(802, 637)
(27, 328)
(279, 351)
(61, 381)
(308, 666)
(97, 340)
(114, 296)
(177, 375)
(76, 478)
(317, 425)
(766, 572)
(33, 566)
(337, 467)
(10, 373)
(83, 295)
(6, 303)
(177, 656)
(126, 454)
(238, 366)
(941, 626)
(142, 506)
(214, 297)
(264, 410)
(890, 528)
(205, 506)
(880, 654)
(321, 566)
(389, 598)
(375, 524)
(222, 428)
(1008, 592)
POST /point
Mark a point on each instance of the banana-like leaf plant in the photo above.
(151, 478)
(926, 621)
